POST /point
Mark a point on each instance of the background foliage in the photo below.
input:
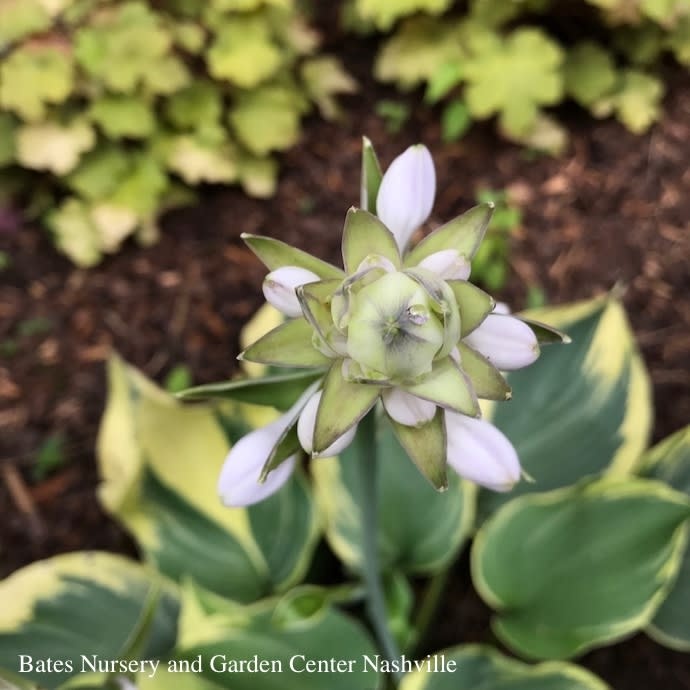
(516, 59)
(115, 110)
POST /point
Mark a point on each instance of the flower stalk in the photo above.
(371, 571)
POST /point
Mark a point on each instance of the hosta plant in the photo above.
(505, 59)
(591, 548)
(121, 109)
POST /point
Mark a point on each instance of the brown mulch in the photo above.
(614, 210)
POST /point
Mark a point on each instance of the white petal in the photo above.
(239, 479)
(478, 451)
(375, 261)
(279, 288)
(406, 408)
(305, 430)
(448, 264)
(501, 308)
(505, 341)
(407, 192)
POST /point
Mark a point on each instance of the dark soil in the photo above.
(614, 210)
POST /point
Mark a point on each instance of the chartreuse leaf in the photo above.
(258, 175)
(99, 172)
(120, 48)
(33, 76)
(363, 235)
(417, 50)
(482, 667)
(343, 404)
(267, 119)
(57, 608)
(638, 100)
(579, 567)
(123, 117)
(288, 345)
(679, 41)
(324, 78)
(200, 103)
(413, 541)
(160, 463)
(589, 73)
(197, 162)
(513, 78)
(385, 14)
(54, 147)
(669, 461)
(243, 52)
(20, 18)
(275, 254)
(279, 390)
(464, 234)
(281, 633)
(587, 404)
(75, 231)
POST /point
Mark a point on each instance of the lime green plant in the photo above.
(499, 59)
(125, 107)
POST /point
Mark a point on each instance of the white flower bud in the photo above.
(305, 430)
(480, 452)
(279, 288)
(505, 341)
(406, 194)
(238, 484)
(406, 408)
(448, 264)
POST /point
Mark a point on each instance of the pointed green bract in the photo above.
(287, 445)
(464, 234)
(371, 176)
(479, 667)
(487, 381)
(448, 387)
(474, 304)
(276, 254)
(288, 345)
(280, 390)
(669, 461)
(576, 568)
(426, 446)
(343, 404)
(363, 235)
(546, 335)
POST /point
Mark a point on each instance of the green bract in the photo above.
(204, 92)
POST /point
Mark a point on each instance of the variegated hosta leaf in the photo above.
(84, 603)
(582, 409)
(478, 666)
(304, 622)
(669, 461)
(160, 463)
(576, 568)
(414, 540)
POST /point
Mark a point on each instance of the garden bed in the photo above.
(614, 211)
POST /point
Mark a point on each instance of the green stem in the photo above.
(376, 603)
